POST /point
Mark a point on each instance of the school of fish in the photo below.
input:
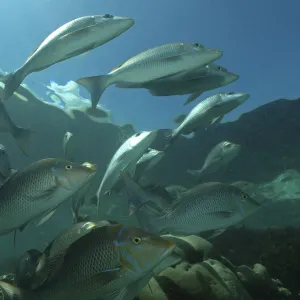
(108, 260)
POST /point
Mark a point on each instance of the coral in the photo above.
(278, 249)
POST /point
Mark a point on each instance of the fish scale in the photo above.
(208, 206)
(90, 265)
(38, 189)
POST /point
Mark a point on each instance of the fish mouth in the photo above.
(231, 77)
(242, 97)
(92, 167)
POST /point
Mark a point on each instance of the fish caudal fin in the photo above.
(23, 136)
(192, 97)
(11, 81)
(97, 113)
(96, 85)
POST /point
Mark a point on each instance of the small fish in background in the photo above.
(103, 262)
(140, 197)
(219, 157)
(206, 207)
(71, 39)
(206, 113)
(36, 191)
(21, 135)
(194, 82)
(78, 199)
(5, 169)
(66, 145)
(125, 159)
(149, 159)
(154, 63)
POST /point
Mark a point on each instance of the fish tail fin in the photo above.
(192, 97)
(23, 136)
(96, 85)
(12, 81)
(10, 292)
(98, 112)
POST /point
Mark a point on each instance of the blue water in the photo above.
(260, 40)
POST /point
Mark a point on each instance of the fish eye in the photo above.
(138, 134)
(198, 45)
(244, 197)
(68, 167)
(108, 16)
(136, 240)
(230, 93)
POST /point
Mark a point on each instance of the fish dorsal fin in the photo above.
(199, 187)
(179, 119)
(52, 260)
(117, 67)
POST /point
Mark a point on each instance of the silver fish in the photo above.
(152, 64)
(79, 197)
(125, 159)
(209, 206)
(99, 265)
(5, 169)
(149, 159)
(21, 135)
(37, 190)
(67, 137)
(71, 39)
(207, 112)
(194, 82)
(220, 156)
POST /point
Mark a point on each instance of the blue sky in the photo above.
(260, 40)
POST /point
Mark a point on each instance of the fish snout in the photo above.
(242, 97)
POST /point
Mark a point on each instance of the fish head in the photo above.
(142, 139)
(244, 203)
(230, 148)
(113, 25)
(141, 251)
(71, 176)
(229, 77)
(238, 98)
(199, 50)
(226, 102)
(67, 136)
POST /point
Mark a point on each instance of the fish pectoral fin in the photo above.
(45, 217)
(77, 33)
(217, 120)
(172, 58)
